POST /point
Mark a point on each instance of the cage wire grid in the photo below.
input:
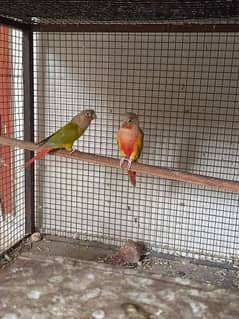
(184, 87)
(12, 189)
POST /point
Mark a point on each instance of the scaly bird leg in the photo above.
(129, 164)
(122, 161)
(72, 150)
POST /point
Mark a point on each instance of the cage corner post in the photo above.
(28, 128)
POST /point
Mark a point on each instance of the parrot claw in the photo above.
(122, 161)
(72, 150)
(129, 164)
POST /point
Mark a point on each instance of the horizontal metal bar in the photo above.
(14, 23)
(19, 244)
(93, 27)
(163, 172)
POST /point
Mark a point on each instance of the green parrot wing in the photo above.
(141, 142)
(64, 137)
(138, 146)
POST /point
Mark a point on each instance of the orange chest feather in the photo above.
(128, 142)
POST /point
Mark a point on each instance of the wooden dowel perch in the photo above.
(166, 173)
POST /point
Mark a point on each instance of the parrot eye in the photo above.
(129, 121)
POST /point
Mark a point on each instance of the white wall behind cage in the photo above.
(184, 87)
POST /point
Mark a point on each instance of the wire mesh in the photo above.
(184, 88)
(12, 191)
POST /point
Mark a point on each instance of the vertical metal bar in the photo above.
(6, 184)
(28, 128)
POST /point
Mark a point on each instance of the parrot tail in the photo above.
(132, 177)
(37, 156)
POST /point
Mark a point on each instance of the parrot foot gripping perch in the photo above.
(73, 150)
(125, 159)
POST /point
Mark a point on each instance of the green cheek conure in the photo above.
(65, 136)
(130, 140)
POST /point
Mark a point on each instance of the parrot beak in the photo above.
(90, 114)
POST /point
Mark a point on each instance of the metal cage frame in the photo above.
(28, 31)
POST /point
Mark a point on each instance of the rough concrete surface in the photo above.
(39, 286)
(169, 267)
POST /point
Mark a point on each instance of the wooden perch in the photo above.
(140, 168)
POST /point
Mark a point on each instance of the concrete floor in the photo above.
(170, 267)
(58, 279)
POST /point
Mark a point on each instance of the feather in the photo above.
(37, 156)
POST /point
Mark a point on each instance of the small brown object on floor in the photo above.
(130, 253)
(36, 237)
(134, 311)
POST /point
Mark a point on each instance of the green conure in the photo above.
(65, 136)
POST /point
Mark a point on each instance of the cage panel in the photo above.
(12, 189)
(184, 87)
(75, 12)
